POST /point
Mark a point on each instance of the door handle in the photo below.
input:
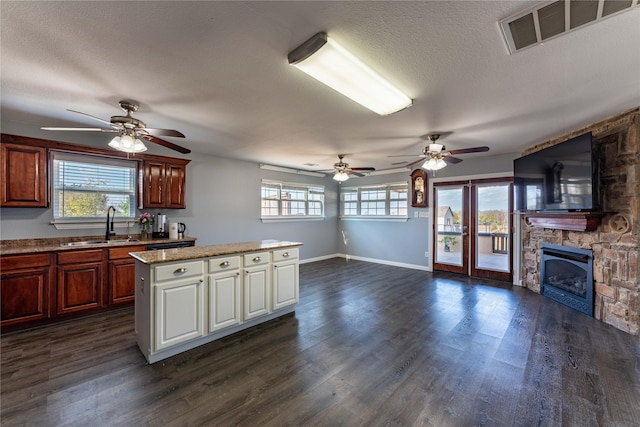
(465, 234)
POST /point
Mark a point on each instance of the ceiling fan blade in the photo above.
(93, 117)
(355, 173)
(167, 144)
(469, 150)
(451, 160)
(408, 165)
(79, 129)
(165, 132)
(363, 169)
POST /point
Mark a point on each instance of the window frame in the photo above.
(305, 203)
(362, 198)
(62, 222)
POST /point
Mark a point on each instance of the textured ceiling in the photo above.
(218, 72)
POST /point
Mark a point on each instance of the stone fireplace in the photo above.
(615, 242)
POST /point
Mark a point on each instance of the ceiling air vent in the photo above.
(553, 18)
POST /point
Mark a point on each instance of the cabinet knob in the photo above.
(256, 259)
(285, 255)
(225, 264)
(180, 270)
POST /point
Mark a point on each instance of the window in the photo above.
(287, 200)
(387, 200)
(85, 186)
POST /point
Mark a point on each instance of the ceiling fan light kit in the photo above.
(341, 176)
(437, 156)
(324, 59)
(128, 144)
(434, 164)
(130, 131)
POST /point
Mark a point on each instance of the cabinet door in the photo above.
(25, 295)
(79, 287)
(24, 177)
(285, 284)
(224, 300)
(154, 185)
(256, 291)
(179, 308)
(175, 186)
(121, 281)
(122, 271)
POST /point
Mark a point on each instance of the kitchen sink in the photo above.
(99, 242)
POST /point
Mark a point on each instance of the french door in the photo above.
(472, 227)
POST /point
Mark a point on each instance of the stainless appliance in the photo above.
(160, 228)
(170, 245)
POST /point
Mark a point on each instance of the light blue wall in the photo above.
(405, 243)
(223, 205)
(222, 199)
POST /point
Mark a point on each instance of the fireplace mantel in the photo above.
(574, 221)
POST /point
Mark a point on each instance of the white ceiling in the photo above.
(218, 72)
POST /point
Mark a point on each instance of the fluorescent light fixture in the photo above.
(341, 176)
(325, 60)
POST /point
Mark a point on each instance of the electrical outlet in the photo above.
(426, 254)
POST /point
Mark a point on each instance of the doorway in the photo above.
(472, 227)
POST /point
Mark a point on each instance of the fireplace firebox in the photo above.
(566, 276)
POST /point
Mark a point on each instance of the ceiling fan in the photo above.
(437, 156)
(341, 170)
(130, 130)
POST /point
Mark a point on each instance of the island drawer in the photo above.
(224, 263)
(285, 254)
(256, 258)
(179, 270)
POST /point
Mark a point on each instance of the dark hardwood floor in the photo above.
(368, 345)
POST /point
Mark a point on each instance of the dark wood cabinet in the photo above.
(79, 281)
(24, 176)
(25, 284)
(122, 274)
(163, 185)
(176, 180)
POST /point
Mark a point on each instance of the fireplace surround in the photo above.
(615, 239)
(566, 276)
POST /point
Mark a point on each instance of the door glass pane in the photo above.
(448, 248)
(492, 235)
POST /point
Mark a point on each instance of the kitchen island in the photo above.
(187, 297)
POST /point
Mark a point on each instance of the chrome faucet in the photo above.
(110, 231)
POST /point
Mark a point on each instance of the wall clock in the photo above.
(419, 188)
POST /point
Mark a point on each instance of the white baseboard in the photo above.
(320, 258)
(385, 262)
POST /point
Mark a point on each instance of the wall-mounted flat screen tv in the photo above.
(557, 178)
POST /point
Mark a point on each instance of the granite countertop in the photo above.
(195, 252)
(55, 244)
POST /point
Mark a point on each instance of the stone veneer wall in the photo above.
(616, 242)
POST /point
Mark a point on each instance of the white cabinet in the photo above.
(223, 289)
(257, 285)
(183, 304)
(285, 278)
(179, 312)
(179, 303)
